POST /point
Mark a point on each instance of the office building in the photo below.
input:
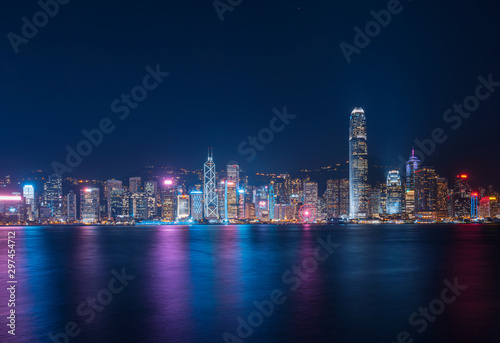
(358, 165)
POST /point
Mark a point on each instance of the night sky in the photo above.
(226, 78)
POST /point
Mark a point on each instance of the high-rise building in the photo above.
(358, 165)
(168, 201)
(374, 202)
(197, 205)
(209, 190)
(71, 207)
(442, 194)
(231, 200)
(394, 193)
(183, 207)
(462, 197)
(425, 190)
(233, 174)
(151, 191)
(134, 185)
(89, 205)
(332, 210)
(108, 187)
(52, 196)
(139, 205)
(474, 207)
(311, 194)
(484, 207)
(29, 196)
(412, 165)
(118, 203)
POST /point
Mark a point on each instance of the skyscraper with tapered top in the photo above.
(358, 165)
(209, 189)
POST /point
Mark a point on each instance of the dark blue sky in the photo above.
(226, 77)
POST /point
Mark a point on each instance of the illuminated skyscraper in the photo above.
(394, 193)
(209, 190)
(484, 207)
(168, 201)
(134, 185)
(410, 193)
(197, 205)
(183, 207)
(89, 205)
(71, 207)
(474, 207)
(52, 195)
(411, 167)
(442, 194)
(374, 203)
(311, 194)
(139, 205)
(29, 196)
(272, 200)
(233, 174)
(425, 190)
(358, 165)
(151, 191)
(108, 187)
(231, 199)
(462, 197)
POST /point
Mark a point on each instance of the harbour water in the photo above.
(254, 283)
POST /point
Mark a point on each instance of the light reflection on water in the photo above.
(193, 282)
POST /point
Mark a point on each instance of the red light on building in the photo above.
(464, 176)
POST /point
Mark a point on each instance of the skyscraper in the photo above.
(89, 205)
(183, 207)
(52, 196)
(358, 165)
(394, 193)
(442, 194)
(411, 167)
(233, 174)
(197, 205)
(462, 197)
(311, 194)
(425, 190)
(151, 191)
(71, 207)
(474, 205)
(209, 190)
(134, 185)
(29, 196)
(168, 201)
(108, 187)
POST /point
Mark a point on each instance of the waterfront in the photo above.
(191, 283)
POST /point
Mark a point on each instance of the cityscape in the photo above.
(249, 172)
(417, 194)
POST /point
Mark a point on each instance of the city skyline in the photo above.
(414, 192)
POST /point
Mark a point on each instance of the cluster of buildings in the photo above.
(416, 194)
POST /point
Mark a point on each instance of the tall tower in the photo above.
(394, 193)
(209, 191)
(412, 166)
(358, 165)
